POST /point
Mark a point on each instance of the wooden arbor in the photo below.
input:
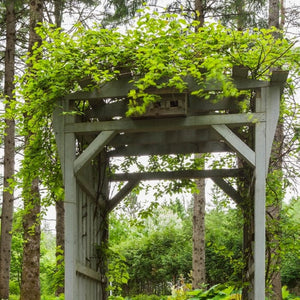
(87, 141)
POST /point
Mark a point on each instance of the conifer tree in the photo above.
(9, 152)
(30, 281)
(274, 208)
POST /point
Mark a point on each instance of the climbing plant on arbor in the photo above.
(161, 52)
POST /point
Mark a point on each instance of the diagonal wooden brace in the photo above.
(93, 149)
(228, 189)
(236, 143)
(112, 203)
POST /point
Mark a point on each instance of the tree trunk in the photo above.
(198, 275)
(59, 204)
(273, 260)
(274, 8)
(60, 240)
(9, 153)
(200, 11)
(273, 209)
(30, 283)
(58, 12)
(241, 20)
(247, 208)
(30, 280)
(198, 260)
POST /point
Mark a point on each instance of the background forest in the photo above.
(150, 246)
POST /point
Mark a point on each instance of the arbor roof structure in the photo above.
(180, 123)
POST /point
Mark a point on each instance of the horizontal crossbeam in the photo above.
(107, 110)
(166, 137)
(120, 88)
(150, 125)
(164, 149)
(173, 175)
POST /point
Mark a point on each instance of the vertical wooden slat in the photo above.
(81, 289)
(80, 224)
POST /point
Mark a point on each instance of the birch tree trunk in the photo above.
(9, 153)
(198, 260)
(198, 274)
(30, 279)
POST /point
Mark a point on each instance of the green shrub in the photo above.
(286, 294)
(216, 292)
(139, 297)
(14, 288)
(148, 297)
(51, 297)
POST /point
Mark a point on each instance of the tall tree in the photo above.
(9, 152)
(274, 15)
(30, 283)
(198, 265)
(274, 208)
(59, 203)
(198, 258)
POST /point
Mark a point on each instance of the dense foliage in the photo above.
(156, 253)
(161, 51)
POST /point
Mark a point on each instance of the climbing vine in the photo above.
(160, 51)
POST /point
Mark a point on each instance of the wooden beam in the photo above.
(112, 203)
(166, 137)
(163, 149)
(58, 125)
(172, 175)
(150, 125)
(106, 111)
(240, 72)
(279, 77)
(198, 106)
(260, 172)
(71, 221)
(93, 149)
(236, 143)
(114, 89)
(228, 189)
(120, 88)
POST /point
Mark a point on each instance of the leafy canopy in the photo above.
(160, 51)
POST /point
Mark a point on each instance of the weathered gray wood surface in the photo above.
(150, 125)
(102, 131)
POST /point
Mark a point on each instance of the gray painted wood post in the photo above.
(71, 285)
(260, 202)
